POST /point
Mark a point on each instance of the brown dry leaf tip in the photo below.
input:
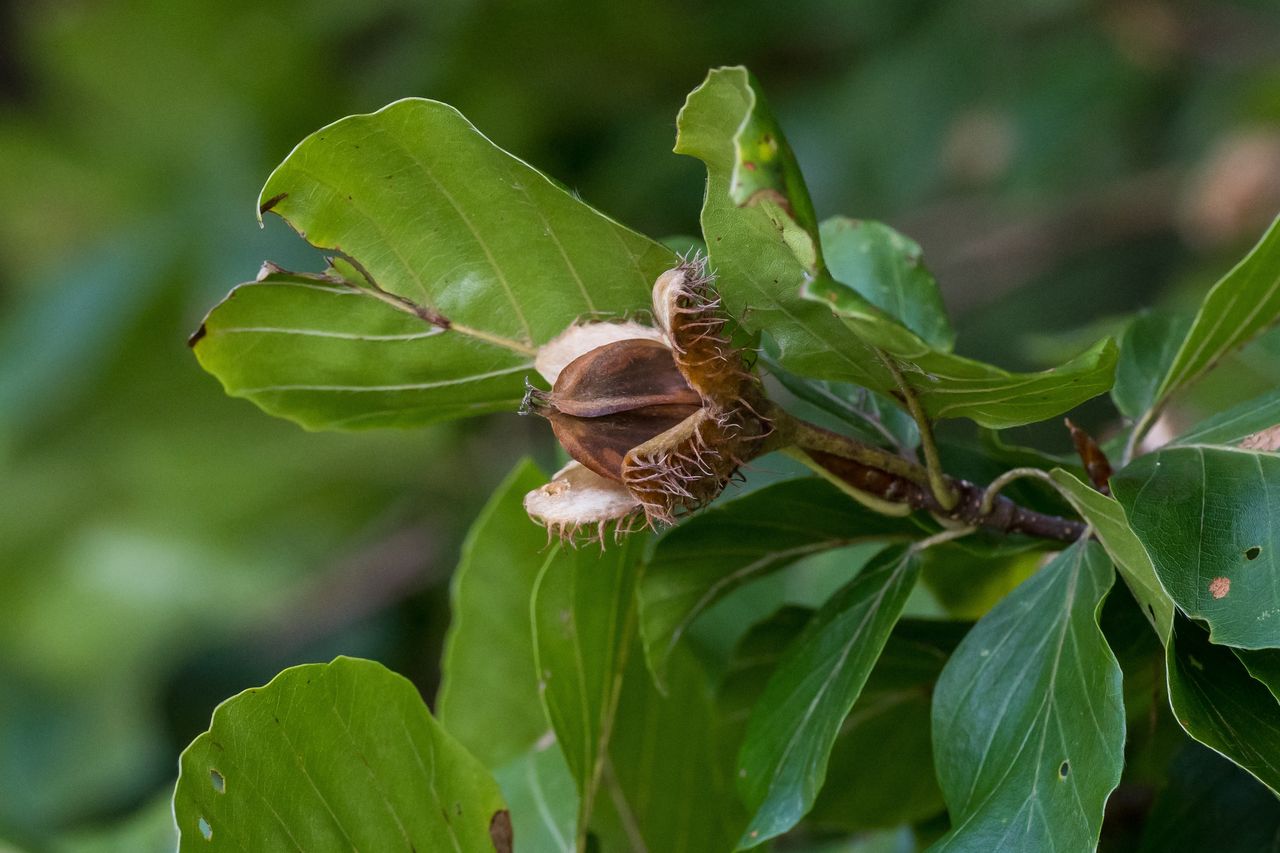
(1095, 461)
(657, 421)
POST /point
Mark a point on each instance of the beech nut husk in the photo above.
(660, 421)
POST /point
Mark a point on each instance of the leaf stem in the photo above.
(989, 497)
(1139, 430)
(942, 491)
(944, 536)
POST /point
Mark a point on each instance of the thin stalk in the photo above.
(942, 491)
(944, 536)
(1139, 430)
(989, 497)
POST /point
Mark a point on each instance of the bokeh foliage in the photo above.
(162, 547)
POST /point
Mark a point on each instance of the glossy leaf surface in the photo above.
(1147, 348)
(1123, 546)
(326, 354)
(881, 772)
(709, 556)
(669, 778)
(583, 611)
(1207, 516)
(1243, 303)
(1028, 721)
(887, 268)
(1237, 423)
(768, 261)
(794, 725)
(1219, 704)
(761, 254)
(542, 797)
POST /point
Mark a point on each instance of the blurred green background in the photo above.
(163, 546)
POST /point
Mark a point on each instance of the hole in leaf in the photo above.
(1253, 553)
(205, 829)
(219, 784)
(1064, 770)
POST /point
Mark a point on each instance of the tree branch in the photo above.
(891, 478)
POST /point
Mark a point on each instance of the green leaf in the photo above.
(881, 772)
(765, 173)
(950, 386)
(1243, 303)
(1219, 704)
(669, 781)
(1206, 517)
(872, 417)
(706, 558)
(1123, 546)
(1264, 665)
(1147, 348)
(1152, 736)
(755, 656)
(583, 610)
(759, 252)
(1209, 804)
(488, 695)
(947, 385)
(996, 448)
(783, 760)
(881, 769)
(887, 269)
(332, 757)
(322, 353)
(543, 798)
(1237, 423)
(968, 582)
(1028, 721)
(765, 257)
(437, 223)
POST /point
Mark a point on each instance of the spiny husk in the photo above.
(688, 308)
(686, 467)
(657, 428)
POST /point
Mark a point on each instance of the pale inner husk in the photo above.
(581, 338)
(578, 498)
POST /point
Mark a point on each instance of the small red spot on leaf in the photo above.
(1219, 587)
(749, 166)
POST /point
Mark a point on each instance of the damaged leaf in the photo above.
(332, 756)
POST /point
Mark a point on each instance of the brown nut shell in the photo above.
(620, 377)
(602, 443)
